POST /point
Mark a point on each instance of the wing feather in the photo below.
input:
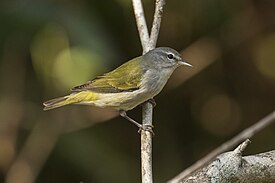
(126, 77)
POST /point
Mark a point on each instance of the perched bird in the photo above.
(127, 86)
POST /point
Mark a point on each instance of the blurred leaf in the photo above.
(75, 66)
(46, 46)
(265, 56)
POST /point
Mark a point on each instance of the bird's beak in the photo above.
(182, 62)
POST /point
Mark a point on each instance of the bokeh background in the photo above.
(49, 46)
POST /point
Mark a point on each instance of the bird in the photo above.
(129, 85)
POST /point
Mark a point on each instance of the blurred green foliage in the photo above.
(47, 47)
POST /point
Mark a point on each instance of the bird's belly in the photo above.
(129, 100)
(124, 100)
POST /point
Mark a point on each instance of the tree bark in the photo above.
(233, 167)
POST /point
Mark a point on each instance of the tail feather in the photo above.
(55, 103)
(85, 97)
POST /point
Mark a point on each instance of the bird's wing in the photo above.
(126, 77)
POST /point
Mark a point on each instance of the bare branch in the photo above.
(146, 146)
(148, 43)
(156, 23)
(34, 153)
(141, 25)
(147, 109)
(240, 149)
(232, 167)
(246, 134)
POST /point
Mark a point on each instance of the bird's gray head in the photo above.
(164, 57)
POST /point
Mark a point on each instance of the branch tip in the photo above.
(241, 148)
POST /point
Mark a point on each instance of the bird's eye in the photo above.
(170, 56)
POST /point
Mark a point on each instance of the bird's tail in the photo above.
(84, 97)
(57, 102)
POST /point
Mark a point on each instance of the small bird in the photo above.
(127, 86)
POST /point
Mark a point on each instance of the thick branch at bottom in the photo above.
(233, 167)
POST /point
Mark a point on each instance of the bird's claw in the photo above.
(153, 102)
(146, 127)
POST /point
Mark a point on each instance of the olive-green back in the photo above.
(126, 77)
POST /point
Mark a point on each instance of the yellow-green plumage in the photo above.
(127, 86)
(74, 98)
(125, 78)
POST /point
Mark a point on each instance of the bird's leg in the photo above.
(124, 115)
(148, 128)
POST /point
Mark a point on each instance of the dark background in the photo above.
(47, 47)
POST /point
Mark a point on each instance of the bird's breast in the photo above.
(154, 81)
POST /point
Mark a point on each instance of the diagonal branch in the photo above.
(156, 23)
(245, 134)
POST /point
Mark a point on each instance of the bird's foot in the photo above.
(153, 102)
(141, 127)
(146, 127)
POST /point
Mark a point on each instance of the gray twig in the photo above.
(148, 43)
(141, 25)
(240, 149)
(156, 23)
(246, 134)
